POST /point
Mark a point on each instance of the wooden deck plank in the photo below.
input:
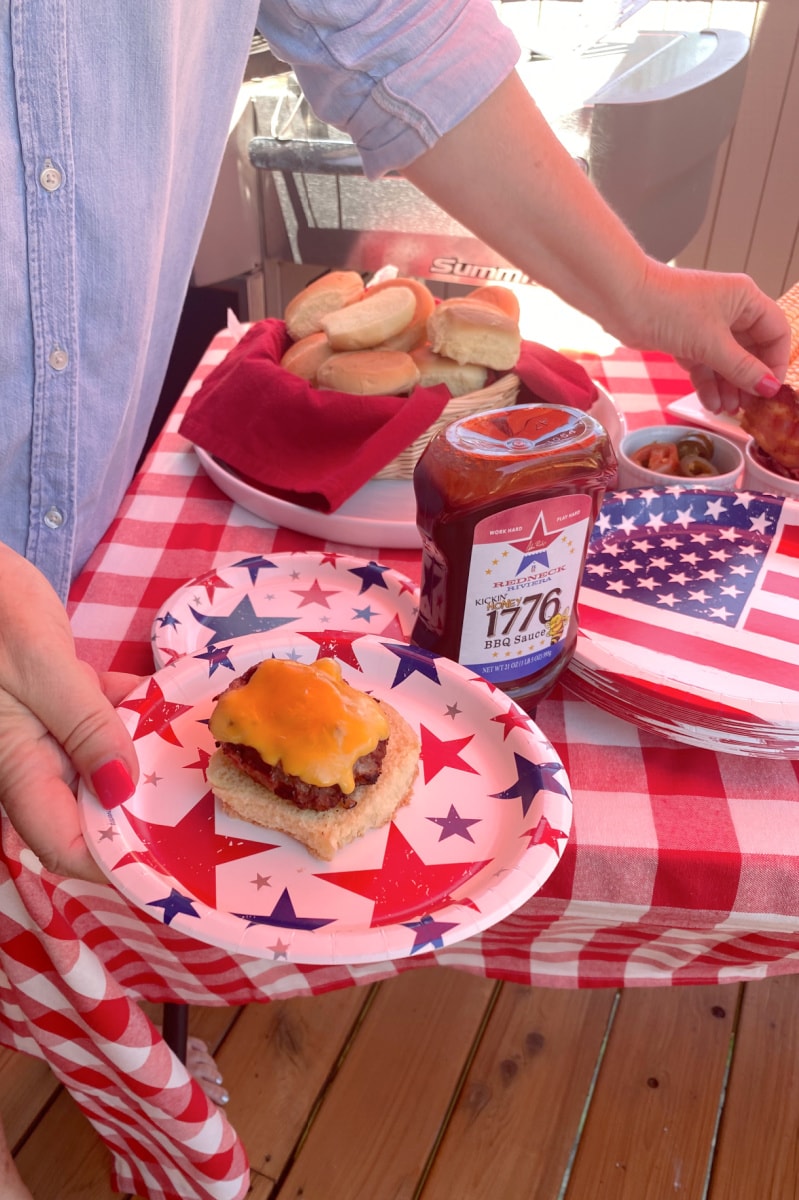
(515, 1124)
(65, 1159)
(380, 1118)
(651, 1123)
(275, 1064)
(27, 1085)
(758, 1144)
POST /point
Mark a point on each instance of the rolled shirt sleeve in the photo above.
(393, 74)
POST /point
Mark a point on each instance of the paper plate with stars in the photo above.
(280, 593)
(689, 615)
(486, 825)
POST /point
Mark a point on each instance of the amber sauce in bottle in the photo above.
(506, 501)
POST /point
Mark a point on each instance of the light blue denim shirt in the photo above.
(113, 119)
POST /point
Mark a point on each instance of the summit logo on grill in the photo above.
(456, 268)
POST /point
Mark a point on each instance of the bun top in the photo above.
(303, 716)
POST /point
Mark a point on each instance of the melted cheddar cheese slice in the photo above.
(304, 717)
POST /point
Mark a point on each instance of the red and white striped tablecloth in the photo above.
(681, 866)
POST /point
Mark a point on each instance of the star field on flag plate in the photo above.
(693, 552)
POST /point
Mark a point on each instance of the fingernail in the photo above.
(768, 387)
(218, 1080)
(224, 1097)
(112, 784)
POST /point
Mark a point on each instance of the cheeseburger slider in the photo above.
(301, 752)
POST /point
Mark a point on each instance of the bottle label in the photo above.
(524, 575)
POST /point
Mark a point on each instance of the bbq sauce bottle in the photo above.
(506, 501)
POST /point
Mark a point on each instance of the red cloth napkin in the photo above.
(549, 376)
(316, 448)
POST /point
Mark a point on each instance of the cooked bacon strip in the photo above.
(774, 424)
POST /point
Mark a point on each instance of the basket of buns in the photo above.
(392, 336)
(348, 388)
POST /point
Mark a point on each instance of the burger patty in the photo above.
(296, 790)
(290, 787)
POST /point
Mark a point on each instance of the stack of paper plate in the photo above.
(689, 618)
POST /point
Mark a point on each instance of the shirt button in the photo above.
(50, 178)
(58, 359)
(54, 518)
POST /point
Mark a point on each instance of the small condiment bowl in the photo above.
(758, 477)
(726, 458)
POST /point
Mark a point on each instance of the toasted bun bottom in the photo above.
(324, 833)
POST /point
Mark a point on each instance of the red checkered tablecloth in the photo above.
(681, 866)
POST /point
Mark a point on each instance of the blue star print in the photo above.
(174, 905)
(284, 916)
(243, 619)
(531, 779)
(370, 576)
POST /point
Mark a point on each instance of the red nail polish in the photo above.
(112, 784)
(768, 387)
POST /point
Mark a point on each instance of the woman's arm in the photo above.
(504, 174)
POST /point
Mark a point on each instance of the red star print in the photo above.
(512, 719)
(315, 594)
(492, 687)
(170, 655)
(190, 851)
(202, 762)
(211, 583)
(156, 714)
(438, 753)
(338, 645)
(539, 537)
(330, 556)
(405, 887)
(545, 835)
(393, 632)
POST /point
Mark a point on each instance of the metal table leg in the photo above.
(176, 1028)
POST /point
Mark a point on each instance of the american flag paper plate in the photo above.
(314, 589)
(689, 617)
(486, 824)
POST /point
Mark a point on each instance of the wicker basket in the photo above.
(499, 394)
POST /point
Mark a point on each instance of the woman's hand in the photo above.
(731, 338)
(57, 723)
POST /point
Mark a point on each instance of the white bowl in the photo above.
(758, 478)
(727, 459)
